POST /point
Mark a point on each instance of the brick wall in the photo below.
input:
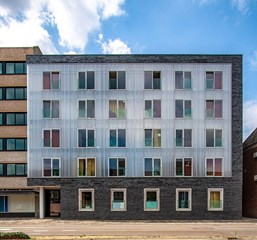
(250, 186)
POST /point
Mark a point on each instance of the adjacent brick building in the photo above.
(136, 136)
(250, 176)
(16, 198)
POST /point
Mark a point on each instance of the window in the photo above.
(117, 167)
(151, 199)
(184, 167)
(213, 138)
(15, 93)
(86, 80)
(214, 167)
(152, 80)
(51, 109)
(13, 68)
(118, 138)
(183, 80)
(213, 80)
(152, 167)
(3, 204)
(86, 200)
(117, 80)
(86, 167)
(214, 109)
(51, 167)
(13, 144)
(13, 119)
(86, 138)
(152, 137)
(86, 108)
(51, 138)
(183, 109)
(153, 109)
(13, 169)
(215, 199)
(183, 137)
(118, 199)
(183, 199)
(51, 80)
(117, 109)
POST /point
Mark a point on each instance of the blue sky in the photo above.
(139, 26)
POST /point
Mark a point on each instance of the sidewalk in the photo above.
(48, 229)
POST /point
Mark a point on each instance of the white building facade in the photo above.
(156, 126)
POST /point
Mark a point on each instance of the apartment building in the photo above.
(250, 176)
(136, 136)
(16, 198)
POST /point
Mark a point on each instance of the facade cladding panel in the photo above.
(176, 144)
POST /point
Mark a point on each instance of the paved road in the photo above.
(245, 229)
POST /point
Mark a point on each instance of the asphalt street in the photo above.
(64, 229)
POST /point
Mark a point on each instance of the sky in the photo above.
(139, 27)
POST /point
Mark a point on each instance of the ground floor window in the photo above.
(86, 200)
(3, 204)
(215, 199)
(118, 200)
(183, 199)
(151, 199)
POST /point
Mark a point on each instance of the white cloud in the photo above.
(29, 22)
(115, 46)
(243, 6)
(249, 117)
(253, 62)
(203, 2)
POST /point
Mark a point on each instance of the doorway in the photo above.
(52, 203)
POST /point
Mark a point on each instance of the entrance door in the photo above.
(52, 203)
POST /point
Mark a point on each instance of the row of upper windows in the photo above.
(11, 119)
(13, 68)
(13, 93)
(152, 80)
(118, 197)
(13, 144)
(13, 169)
(117, 109)
(117, 167)
(117, 138)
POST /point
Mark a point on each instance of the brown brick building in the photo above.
(16, 198)
(250, 176)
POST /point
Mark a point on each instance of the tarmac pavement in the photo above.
(66, 229)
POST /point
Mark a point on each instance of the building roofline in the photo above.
(134, 58)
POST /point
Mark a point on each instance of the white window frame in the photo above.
(117, 80)
(152, 109)
(189, 190)
(51, 158)
(183, 164)
(86, 77)
(184, 88)
(221, 190)
(117, 109)
(86, 107)
(51, 108)
(51, 81)
(184, 109)
(51, 137)
(213, 109)
(183, 138)
(214, 138)
(124, 199)
(86, 137)
(153, 158)
(214, 73)
(117, 164)
(157, 190)
(152, 138)
(117, 137)
(213, 166)
(86, 158)
(81, 190)
(153, 89)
